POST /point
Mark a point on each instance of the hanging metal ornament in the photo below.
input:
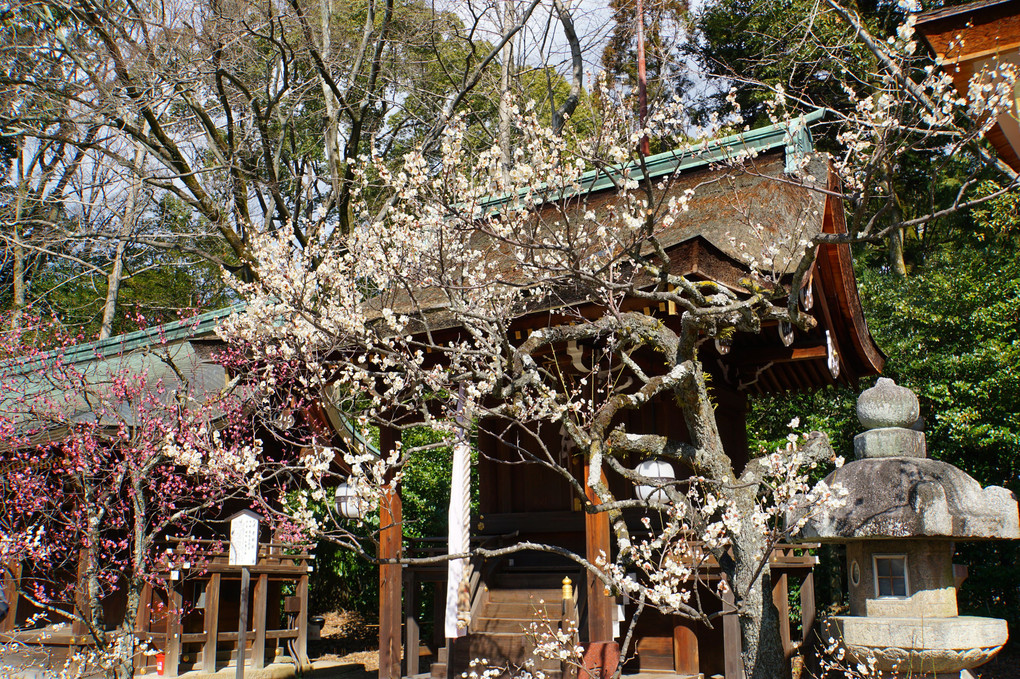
(831, 355)
(786, 333)
(807, 293)
(723, 345)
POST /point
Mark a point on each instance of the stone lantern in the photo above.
(902, 515)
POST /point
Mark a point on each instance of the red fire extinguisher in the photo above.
(160, 658)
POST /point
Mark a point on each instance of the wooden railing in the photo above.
(209, 568)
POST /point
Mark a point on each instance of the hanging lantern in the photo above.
(348, 503)
(723, 345)
(655, 469)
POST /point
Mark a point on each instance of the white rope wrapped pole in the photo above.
(459, 527)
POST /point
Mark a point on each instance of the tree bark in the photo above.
(129, 220)
(761, 644)
(505, 74)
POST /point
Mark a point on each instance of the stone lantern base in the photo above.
(916, 647)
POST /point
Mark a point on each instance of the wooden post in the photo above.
(211, 623)
(173, 632)
(143, 620)
(390, 538)
(302, 623)
(781, 599)
(258, 650)
(734, 666)
(412, 642)
(597, 542)
(12, 595)
(242, 623)
(81, 604)
(807, 609)
(686, 660)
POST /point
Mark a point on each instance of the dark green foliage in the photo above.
(951, 330)
(343, 580)
(796, 44)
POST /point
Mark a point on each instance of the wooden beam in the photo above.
(789, 354)
(211, 622)
(390, 578)
(597, 542)
(258, 650)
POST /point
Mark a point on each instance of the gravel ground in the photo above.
(347, 639)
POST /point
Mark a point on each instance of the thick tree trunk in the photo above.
(761, 644)
(20, 270)
(896, 262)
(129, 219)
(113, 280)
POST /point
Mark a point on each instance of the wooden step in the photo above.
(498, 649)
(533, 610)
(505, 625)
(523, 579)
(511, 595)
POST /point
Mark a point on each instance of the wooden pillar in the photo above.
(734, 667)
(302, 623)
(211, 622)
(81, 604)
(173, 631)
(258, 650)
(390, 539)
(412, 633)
(438, 615)
(597, 542)
(807, 609)
(781, 599)
(686, 660)
(12, 594)
(143, 619)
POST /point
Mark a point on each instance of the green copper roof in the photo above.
(793, 136)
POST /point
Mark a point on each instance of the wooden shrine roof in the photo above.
(973, 36)
(739, 212)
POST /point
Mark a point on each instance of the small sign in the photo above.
(244, 538)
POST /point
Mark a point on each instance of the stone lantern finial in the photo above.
(888, 411)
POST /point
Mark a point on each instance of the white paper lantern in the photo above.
(655, 469)
(348, 503)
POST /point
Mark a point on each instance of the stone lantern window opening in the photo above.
(891, 579)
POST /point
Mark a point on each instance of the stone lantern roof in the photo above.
(896, 491)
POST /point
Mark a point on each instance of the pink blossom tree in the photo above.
(104, 456)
